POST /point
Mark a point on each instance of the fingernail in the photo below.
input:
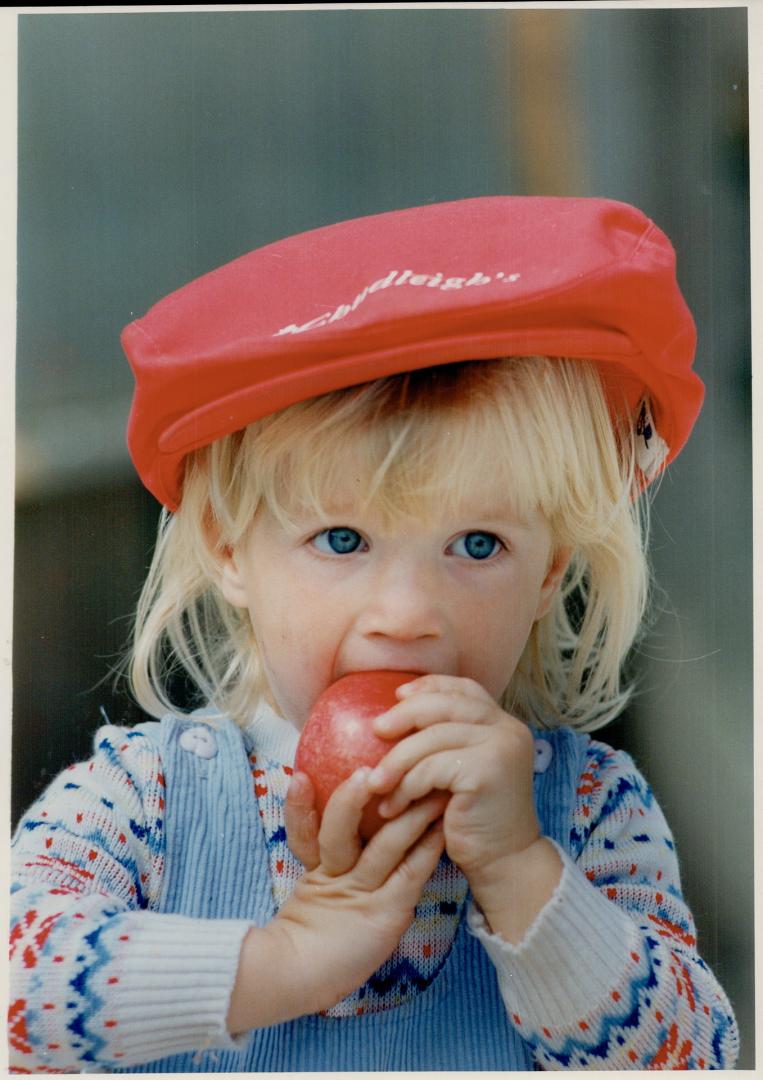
(376, 776)
(296, 784)
(361, 775)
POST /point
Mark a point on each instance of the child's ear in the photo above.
(228, 575)
(557, 568)
(231, 581)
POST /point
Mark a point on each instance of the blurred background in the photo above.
(156, 146)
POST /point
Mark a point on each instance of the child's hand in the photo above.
(462, 742)
(347, 912)
(353, 904)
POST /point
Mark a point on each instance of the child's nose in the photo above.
(404, 603)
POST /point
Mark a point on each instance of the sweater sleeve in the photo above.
(608, 976)
(98, 979)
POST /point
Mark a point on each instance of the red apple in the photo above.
(338, 737)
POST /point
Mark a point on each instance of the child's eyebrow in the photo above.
(496, 513)
(475, 517)
(329, 511)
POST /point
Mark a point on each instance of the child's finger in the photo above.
(443, 684)
(439, 772)
(387, 849)
(338, 837)
(424, 709)
(414, 748)
(406, 881)
(302, 820)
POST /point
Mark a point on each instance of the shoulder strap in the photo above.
(215, 847)
(563, 754)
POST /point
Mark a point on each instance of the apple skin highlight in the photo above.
(338, 737)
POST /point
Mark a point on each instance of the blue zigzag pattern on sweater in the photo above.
(395, 978)
(82, 984)
(723, 1024)
(609, 1025)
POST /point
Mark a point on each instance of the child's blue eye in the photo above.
(338, 541)
(476, 545)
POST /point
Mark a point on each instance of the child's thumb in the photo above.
(302, 821)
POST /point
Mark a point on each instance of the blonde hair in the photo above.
(536, 431)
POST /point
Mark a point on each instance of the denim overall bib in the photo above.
(217, 867)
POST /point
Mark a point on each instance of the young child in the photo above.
(415, 441)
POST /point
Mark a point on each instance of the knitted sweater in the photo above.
(608, 976)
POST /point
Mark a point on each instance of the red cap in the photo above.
(475, 279)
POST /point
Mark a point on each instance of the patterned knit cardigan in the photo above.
(139, 872)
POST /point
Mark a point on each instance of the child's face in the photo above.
(455, 596)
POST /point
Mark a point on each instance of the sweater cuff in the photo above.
(570, 959)
(171, 988)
